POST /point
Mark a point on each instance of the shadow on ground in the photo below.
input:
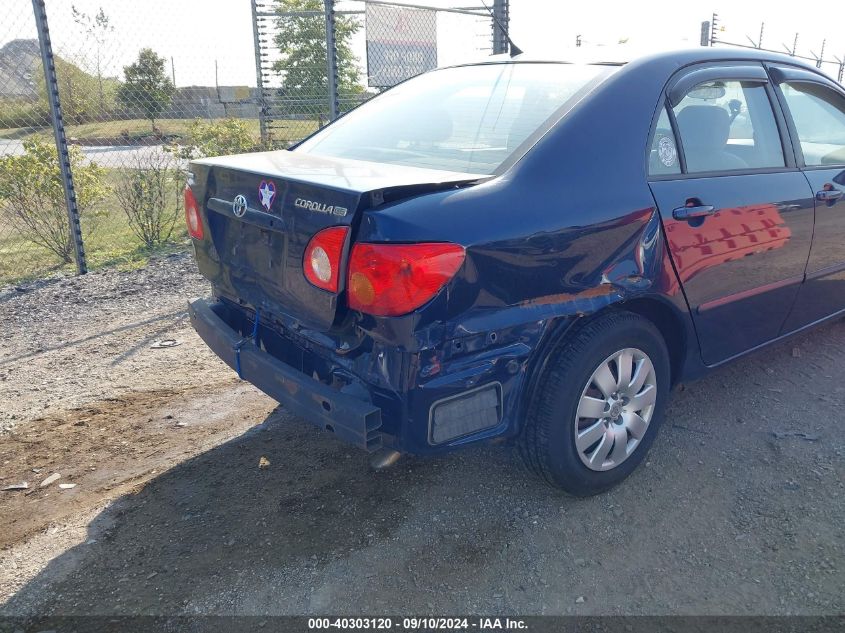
(733, 513)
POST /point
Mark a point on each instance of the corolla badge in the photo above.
(239, 206)
(267, 193)
(320, 207)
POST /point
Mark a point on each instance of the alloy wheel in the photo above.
(615, 409)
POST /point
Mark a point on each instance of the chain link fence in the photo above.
(144, 87)
(378, 44)
(141, 93)
(32, 240)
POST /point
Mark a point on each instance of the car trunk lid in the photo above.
(262, 210)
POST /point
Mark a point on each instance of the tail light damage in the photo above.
(383, 279)
(395, 279)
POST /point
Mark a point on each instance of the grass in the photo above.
(282, 130)
(108, 239)
(22, 261)
(136, 129)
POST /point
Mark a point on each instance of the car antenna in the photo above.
(514, 49)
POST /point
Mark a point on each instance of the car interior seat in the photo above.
(704, 131)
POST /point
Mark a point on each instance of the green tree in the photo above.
(32, 197)
(77, 92)
(302, 43)
(147, 86)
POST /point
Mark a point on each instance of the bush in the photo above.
(16, 113)
(216, 138)
(32, 196)
(150, 193)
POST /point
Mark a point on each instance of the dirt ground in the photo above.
(739, 509)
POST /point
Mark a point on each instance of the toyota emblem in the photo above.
(239, 206)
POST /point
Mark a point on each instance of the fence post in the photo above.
(331, 59)
(821, 55)
(259, 75)
(714, 26)
(59, 132)
(501, 11)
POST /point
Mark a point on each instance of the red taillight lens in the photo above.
(192, 215)
(394, 279)
(321, 262)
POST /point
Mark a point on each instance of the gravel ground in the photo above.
(739, 509)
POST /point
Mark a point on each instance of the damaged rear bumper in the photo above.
(351, 419)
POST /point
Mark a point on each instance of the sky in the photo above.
(198, 33)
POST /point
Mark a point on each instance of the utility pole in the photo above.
(59, 133)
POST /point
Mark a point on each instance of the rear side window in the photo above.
(819, 117)
(663, 154)
(728, 126)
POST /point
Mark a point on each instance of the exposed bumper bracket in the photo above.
(351, 419)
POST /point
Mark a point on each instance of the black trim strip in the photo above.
(824, 272)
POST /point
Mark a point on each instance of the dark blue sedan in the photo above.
(528, 249)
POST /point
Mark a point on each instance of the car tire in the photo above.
(566, 448)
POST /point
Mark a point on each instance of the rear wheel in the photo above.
(598, 404)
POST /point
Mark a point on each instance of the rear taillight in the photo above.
(394, 279)
(192, 215)
(321, 262)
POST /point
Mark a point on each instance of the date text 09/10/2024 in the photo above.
(417, 624)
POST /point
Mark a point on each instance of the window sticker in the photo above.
(667, 152)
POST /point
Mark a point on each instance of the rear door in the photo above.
(816, 115)
(737, 212)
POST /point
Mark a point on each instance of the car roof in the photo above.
(633, 55)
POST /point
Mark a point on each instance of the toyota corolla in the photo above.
(528, 250)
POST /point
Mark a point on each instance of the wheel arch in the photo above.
(669, 323)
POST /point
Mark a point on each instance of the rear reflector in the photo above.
(394, 279)
(321, 262)
(467, 413)
(192, 215)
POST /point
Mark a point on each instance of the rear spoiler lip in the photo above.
(346, 175)
(391, 195)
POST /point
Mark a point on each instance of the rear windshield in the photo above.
(469, 119)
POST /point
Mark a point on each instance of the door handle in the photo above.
(690, 213)
(826, 195)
